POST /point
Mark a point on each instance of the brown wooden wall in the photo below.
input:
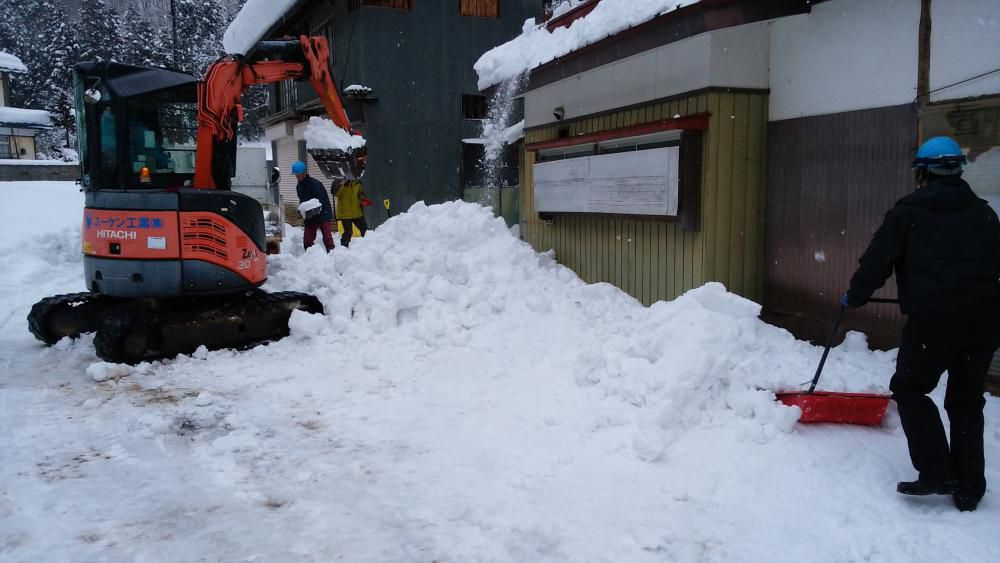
(653, 259)
(830, 180)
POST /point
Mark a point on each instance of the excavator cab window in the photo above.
(162, 133)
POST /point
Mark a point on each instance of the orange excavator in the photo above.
(173, 258)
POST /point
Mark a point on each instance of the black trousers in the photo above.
(348, 224)
(929, 348)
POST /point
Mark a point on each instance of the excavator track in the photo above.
(71, 314)
(135, 330)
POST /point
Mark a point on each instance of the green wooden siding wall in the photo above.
(653, 260)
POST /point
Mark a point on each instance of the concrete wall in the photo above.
(846, 55)
(29, 172)
(735, 57)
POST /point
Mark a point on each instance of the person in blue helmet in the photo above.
(943, 243)
(311, 188)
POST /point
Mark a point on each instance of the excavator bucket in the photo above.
(337, 164)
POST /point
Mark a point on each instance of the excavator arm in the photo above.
(226, 81)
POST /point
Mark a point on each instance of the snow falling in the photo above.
(497, 133)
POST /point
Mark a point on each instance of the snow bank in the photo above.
(465, 398)
(13, 117)
(321, 133)
(537, 45)
(10, 63)
(436, 272)
(254, 20)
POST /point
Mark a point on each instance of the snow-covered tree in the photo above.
(97, 34)
(200, 26)
(9, 23)
(141, 43)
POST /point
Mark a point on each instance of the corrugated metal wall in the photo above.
(288, 153)
(653, 259)
(830, 179)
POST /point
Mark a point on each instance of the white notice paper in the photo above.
(630, 183)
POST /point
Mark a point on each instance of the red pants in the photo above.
(310, 235)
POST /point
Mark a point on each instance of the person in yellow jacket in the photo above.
(349, 197)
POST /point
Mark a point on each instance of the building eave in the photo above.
(681, 23)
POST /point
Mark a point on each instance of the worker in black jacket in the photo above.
(311, 188)
(943, 243)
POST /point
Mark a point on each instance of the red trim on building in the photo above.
(699, 121)
(567, 19)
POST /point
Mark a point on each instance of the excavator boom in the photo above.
(226, 81)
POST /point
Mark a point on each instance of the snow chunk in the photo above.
(103, 371)
(492, 136)
(10, 63)
(321, 133)
(254, 20)
(308, 205)
(537, 45)
(13, 117)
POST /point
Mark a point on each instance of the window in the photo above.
(397, 4)
(473, 106)
(162, 132)
(480, 8)
(5, 151)
(285, 95)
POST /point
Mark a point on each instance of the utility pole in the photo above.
(173, 28)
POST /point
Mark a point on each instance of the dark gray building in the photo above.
(416, 57)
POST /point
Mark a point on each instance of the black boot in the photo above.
(921, 488)
(964, 503)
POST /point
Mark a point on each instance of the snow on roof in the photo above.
(321, 133)
(10, 63)
(537, 45)
(252, 23)
(27, 118)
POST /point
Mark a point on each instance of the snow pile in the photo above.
(13, 117)
(537, 45)
(465, 398)
(254, 20)
(321, 133)
(444, 274)
(10, 63)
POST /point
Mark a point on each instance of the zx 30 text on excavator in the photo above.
(173, 259)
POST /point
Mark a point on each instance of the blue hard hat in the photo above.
(939, 152)
(299, 167)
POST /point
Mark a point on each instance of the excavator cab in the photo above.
(138, 127)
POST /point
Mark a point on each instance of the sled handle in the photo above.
(833, 334)
(826, 351)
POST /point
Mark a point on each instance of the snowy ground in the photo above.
(465, 399)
